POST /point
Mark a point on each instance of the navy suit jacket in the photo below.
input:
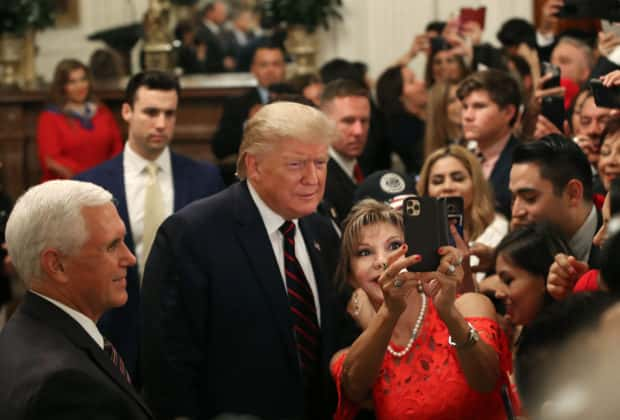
(339, 190)
(500, 178)
(52, 369)
(220, 336)
(191, 180)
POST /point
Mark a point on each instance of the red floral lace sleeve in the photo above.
(492, 334)
(346, 410)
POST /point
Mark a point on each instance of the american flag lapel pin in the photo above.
(317, 246)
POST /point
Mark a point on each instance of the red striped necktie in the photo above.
(358, 174)
(116, 358)
(303, 311)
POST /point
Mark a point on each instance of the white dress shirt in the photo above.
(84, 321)
(136, 178)
(272, 222)
(347, 165)
(581, 242)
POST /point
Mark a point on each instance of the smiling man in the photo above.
(346, 103)
(550, 181)
(65, 239)
(149, 182)
(238, 285)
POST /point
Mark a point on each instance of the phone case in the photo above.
(553, 109)
(607, 97)
(426, 229)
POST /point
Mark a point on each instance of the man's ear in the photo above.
(126, 111)
(52, 265)
(251, 166)
(510, 112)
(574, 192)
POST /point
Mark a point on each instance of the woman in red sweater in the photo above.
(74, 132)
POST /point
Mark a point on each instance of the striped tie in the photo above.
(116, 358)
(358, 174)
(303, 310)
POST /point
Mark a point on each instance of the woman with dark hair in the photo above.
(522, 261)
(75, 132)
(443, 64)
(402, 98)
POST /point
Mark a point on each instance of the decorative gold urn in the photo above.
(11, 47)
(303, 47)
(157, 37)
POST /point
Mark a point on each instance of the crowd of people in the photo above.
(281, 282)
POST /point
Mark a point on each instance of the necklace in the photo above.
(414, 332)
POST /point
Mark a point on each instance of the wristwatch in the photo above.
(472, 338)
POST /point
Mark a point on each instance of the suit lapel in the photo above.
(252, 236)
(115, 175)
(179, 182)
(49, 314)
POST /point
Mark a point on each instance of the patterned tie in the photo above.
(153, 211)
(303, 310)
(357, 173)
(116, 358)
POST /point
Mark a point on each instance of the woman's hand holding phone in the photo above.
(396, 282)
(441, 285)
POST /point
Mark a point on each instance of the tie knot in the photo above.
(288, 229)
(151, 169)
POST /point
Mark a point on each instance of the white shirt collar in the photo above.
(136, 164)
(581, 242)
(271, 219)
(85, 322)
(346, 164)
(213, 27)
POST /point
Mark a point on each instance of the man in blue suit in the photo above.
(238, 289)
(149, 182)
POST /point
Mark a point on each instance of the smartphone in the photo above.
(606, 97)
(469, 14)
(439, 43)
(454, 211)
(602, 9)
(426, 230)
(553, 109)
(548, 68)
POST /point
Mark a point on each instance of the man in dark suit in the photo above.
(244, 318)
(268, 68)
(346, 103)
(214, 15)
(150, 111)
(66, 242)
(491, 102)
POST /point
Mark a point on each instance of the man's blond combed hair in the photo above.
(281, 121)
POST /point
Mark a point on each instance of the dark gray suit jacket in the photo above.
(52, 369)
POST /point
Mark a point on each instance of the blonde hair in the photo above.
(439, 129)
(482, 211)
(365, 213)
(281, 121)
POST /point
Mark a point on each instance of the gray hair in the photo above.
(280, 121)
(49, 215)
(581, 46)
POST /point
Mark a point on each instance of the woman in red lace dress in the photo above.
(424, 353)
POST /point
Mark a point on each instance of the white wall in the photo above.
(95, 15)
(380, 31)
